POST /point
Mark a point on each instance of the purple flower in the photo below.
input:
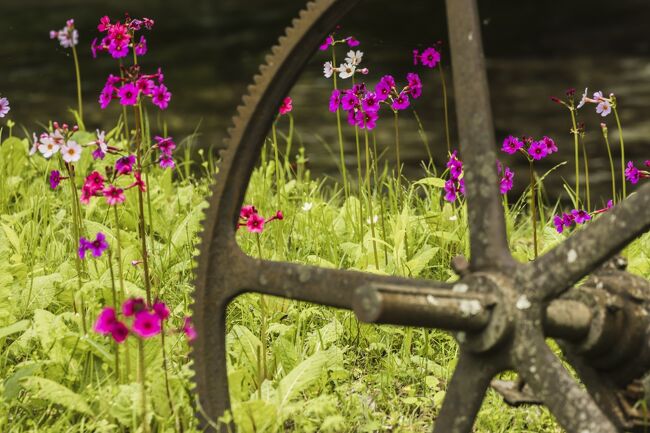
(367, 120)
(537, 150)
(511, 145)
(55, 179)
(128, 94)
(352, 42)
(559, 223)
(455, 166)
(188, 329)
(506, 182)
(580, 216)
(451, 190)
(604, 107)
(401, 102)
(106, 96)
(632, 173)
(370, 102)
(166, 144)
(146, 324)
(160, 96)
(166, 161)
(124, 165)
(325, 45)
(385, 87)
(335, 100)
(105, 321)
(96, 247)
(145, 86)
(161, 310)
(550, 145)
(430, 57)
(132, 306)
(350, 100)
(414, 84)
(141, 47)
(4, 107)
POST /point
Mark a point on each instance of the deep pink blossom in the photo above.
(414, 84)
(141, 47)
(385, 87)
(161, 310)
(455, 166)
(124, 165)
(138, 182)
(119, 332)
(255, 223)
(511, 145)
(145, 86)
(350, 100)
(537, 150)
(166, 161)
(160, 96)
(370, 102)
(146, 324)
(132, 306)
(106, 96)
(105, 321)
(114, 195)
(550, 144)
(188, 329)
(287, 106)
(247, 211)
(507, 181)
(94, 182)
(401, 102)
(96, 247)
(430, 57)
(335, 100)
(352, 42)
(165, 144)
(327, 43)
(128, 94)
(451, 190)
(366, 119)
(632, 174)
(580, 216)
(55, 179)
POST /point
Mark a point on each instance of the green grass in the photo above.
(348, 377)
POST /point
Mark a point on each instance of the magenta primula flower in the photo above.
(132, 306)
(549, 143)
(146, 324)
(507, 181)
(255, 223)
(128, 94)
(385, 87)
(188, 329)
(94, 182)
(141, 47)
(166, 161)
(165, 144)
(352, 41)
(455, 166)
(161, 310)
(96, 247)
(247, 211)
(350, 100)
(580, 216)
(124, 165)
(452, 189)
(366, 119)
(335, 100)
(511, 145)
(401, 102)
(138, 182)
(430, 57)
(106, 96)
(114, 195)
(55, 178)
(145, 86)
(327, 43)
(370, 102)
(287, 106)
(414, 84)
(160, 96)
(632, 174)
(105, 321)
(537, 150)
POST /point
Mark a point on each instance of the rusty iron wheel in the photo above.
(501, 310)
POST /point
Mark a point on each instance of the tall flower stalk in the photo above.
(68, 37)
(603, 128)
(431, 58)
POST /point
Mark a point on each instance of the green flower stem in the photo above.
(587, 192)
(574, 131)
(141, 215)
(143, 388)
(611, 163)
(278, 184)
(533, 206)
(622, 143)
(115, 306)
(76, 231)
(78, 76)
(370, 195)
(346, 187)
(445, 106)
(382, 209)
(120, 273)
(360, 183)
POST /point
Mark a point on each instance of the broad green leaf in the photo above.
(435, 182)
(15, 328)
(46, 389)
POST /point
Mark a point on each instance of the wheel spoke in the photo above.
(583, 252)
(465, 394)
(567, 400)
(332, 287)
(488, 242)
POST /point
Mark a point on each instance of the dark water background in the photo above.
(210, 49)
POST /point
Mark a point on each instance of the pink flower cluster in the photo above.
(603, 105)
(133, 86)
(68, 36)
(430, 57)
(363, 105)
(254, 222)
(633, 174)
(455, 186)
(530, 148)
(507, 178)
(566, 220)
(94, 184)
(287, 106)
(146, 321)
(330, 41)
(166, 146)
(58, 140)
(120, 37)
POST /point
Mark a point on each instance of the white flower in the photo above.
(346, 70)
(101, 141)
(328, 69)
(71, 151)
(47, 147)
(4, 107)
(68, 39)
(603, 108)
(598, 96)
(354, 58)
(56, 137)
(375, 219)
(583, 101)
(307, 206)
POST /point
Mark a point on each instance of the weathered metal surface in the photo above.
(500, 310)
